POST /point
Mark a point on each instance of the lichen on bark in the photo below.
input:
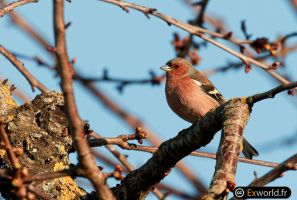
(41, 129)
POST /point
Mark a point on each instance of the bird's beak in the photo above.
(166, 68)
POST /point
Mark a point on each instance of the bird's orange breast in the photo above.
(187, 100)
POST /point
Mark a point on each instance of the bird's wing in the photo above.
(207, 86)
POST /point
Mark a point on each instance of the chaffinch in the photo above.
(191, 95)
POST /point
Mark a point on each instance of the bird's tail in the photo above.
(248, 150)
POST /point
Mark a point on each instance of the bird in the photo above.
(190, 94)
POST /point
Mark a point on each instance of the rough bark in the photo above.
(40, 128)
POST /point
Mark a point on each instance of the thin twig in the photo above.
(39, 193)
(9, 149)
(122, 83)
(152, 149)
(50, 175)
(28, 29)
(271, 93)
(20, 66)
(241, 159)
(230, 65)
(19, 93)
(200, 33)
(289, 164)
(171, 21)
(200, 18)
(124, 161)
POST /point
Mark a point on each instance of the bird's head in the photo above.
(178, 68)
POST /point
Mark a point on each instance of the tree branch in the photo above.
(88, 164)
(13, 5)
(289, 164)
(198, 31)
(235, 117)
(11, 155)
(137, 184)
(103, 141)
(20, 66)
(271, 93)
(122, 158)
(122, 83)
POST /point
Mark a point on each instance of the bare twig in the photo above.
(244, 30)
(171, 21)
(271, 93)
(289, 164)
(39, 193)
(200, 18)
(230, 65)
(88, 164)
(13, 5)
(19, 94)
(122, 83)
(51, 175)
(122, 158)
(20, 66)
(241, 159)
(27, 28)
(37, 59)
(11, 155)
(100, 141)
(187, 47)
(200, 33)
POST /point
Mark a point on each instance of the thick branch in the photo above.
(88, 164)
(138, 182)
(235, 118)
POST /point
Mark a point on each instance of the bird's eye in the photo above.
(175, 66)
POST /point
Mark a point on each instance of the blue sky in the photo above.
(129, 45)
